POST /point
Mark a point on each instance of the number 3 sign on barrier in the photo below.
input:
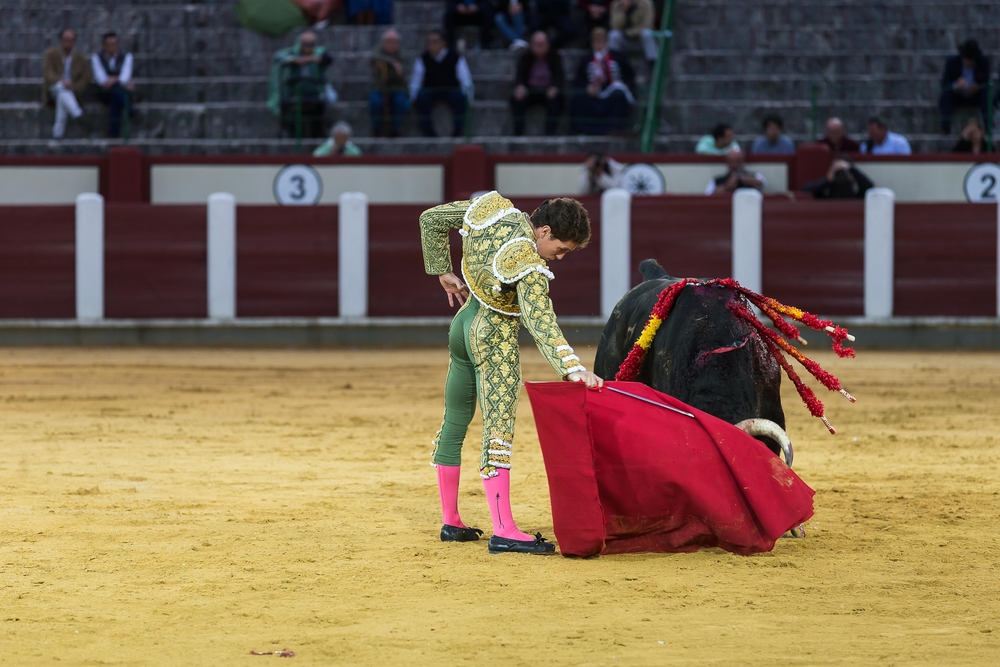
(298, 185)
(982, 183)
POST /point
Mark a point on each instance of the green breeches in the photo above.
(484, 364)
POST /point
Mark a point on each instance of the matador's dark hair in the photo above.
(567, 218)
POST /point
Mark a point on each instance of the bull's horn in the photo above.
(766, 427)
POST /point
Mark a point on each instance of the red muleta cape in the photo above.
(626, 476)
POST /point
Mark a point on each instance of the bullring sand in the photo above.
(182, 507)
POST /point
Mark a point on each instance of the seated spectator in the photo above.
(604, 82)
(469, 13)
(555, 16)
(440, 75)
(973, 139)
(736, 177)
(112, 72)
(339, 143)
(512, 24)
(388, 101)
(837, 139)
(298, 89)
(368, 12)
(773, 142)
(720, 142)
(843, 181)
(964, 82)
(65, 74)
(632, 20)
(881, 141)
(538, 80)
(599, 173)
(596, 13)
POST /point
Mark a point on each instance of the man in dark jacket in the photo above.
(964, 82)
(440, 75)
(843, 181)
(538, 80)
(301, 72)
(602, 89)
(388, 101)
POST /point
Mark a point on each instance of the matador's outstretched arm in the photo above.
(435, 223)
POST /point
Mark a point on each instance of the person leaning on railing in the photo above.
(65, 74)
(440, 75)
(388, 101)
(538, 81)
(113, 76)
(298, 89)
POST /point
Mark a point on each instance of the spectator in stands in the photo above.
(973, 139)
(720, 142)
(368, 12)
(773, 141)
(555, 17)
(736, 177)
(469, 13)
(599, 173)
(112, 72)
(843, 181)
(339, 143)
(604, 81)
(632, 21)
(65, 74)
(964, 82)
(388, 101)
(298, 89)
(837, 139)
(881, 141)
(512, 23)
(538, 80)
(440, 75)
(596, 13)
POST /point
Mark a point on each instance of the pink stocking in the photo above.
(498, 496)
(448, 477)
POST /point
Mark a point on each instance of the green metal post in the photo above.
(989, 114)
(298, 117)
(814, 94)
(127, 120)
(660, 69)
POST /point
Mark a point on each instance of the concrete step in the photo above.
(488, 64)
(225, 120)
(837, 13)
(286, 147)
(829, 37)
(188, 90)
(903, 116)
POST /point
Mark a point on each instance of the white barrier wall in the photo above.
(221, 217)
(616, 247)
(254, 184)
(89, 257)
(533, 180)
(46, 185)
(880, 216)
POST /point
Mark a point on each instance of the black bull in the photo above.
(702, 354)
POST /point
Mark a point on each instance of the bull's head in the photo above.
(716, 362)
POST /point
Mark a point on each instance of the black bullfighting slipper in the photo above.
(539, 545)
(456, 534)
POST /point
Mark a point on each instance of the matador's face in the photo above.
(549, 247)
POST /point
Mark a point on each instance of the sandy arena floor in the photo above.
(184, 507)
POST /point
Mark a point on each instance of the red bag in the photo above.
(628, 476)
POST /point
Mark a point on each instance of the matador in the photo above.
(504, 253)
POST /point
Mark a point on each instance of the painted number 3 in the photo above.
(299, 185)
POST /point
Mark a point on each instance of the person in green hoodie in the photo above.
(339, 143)
(388, 101)
(297, 90)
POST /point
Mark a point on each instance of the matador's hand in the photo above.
(455, 288)
(590, 379)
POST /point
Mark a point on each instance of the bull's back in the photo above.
(625, 324)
